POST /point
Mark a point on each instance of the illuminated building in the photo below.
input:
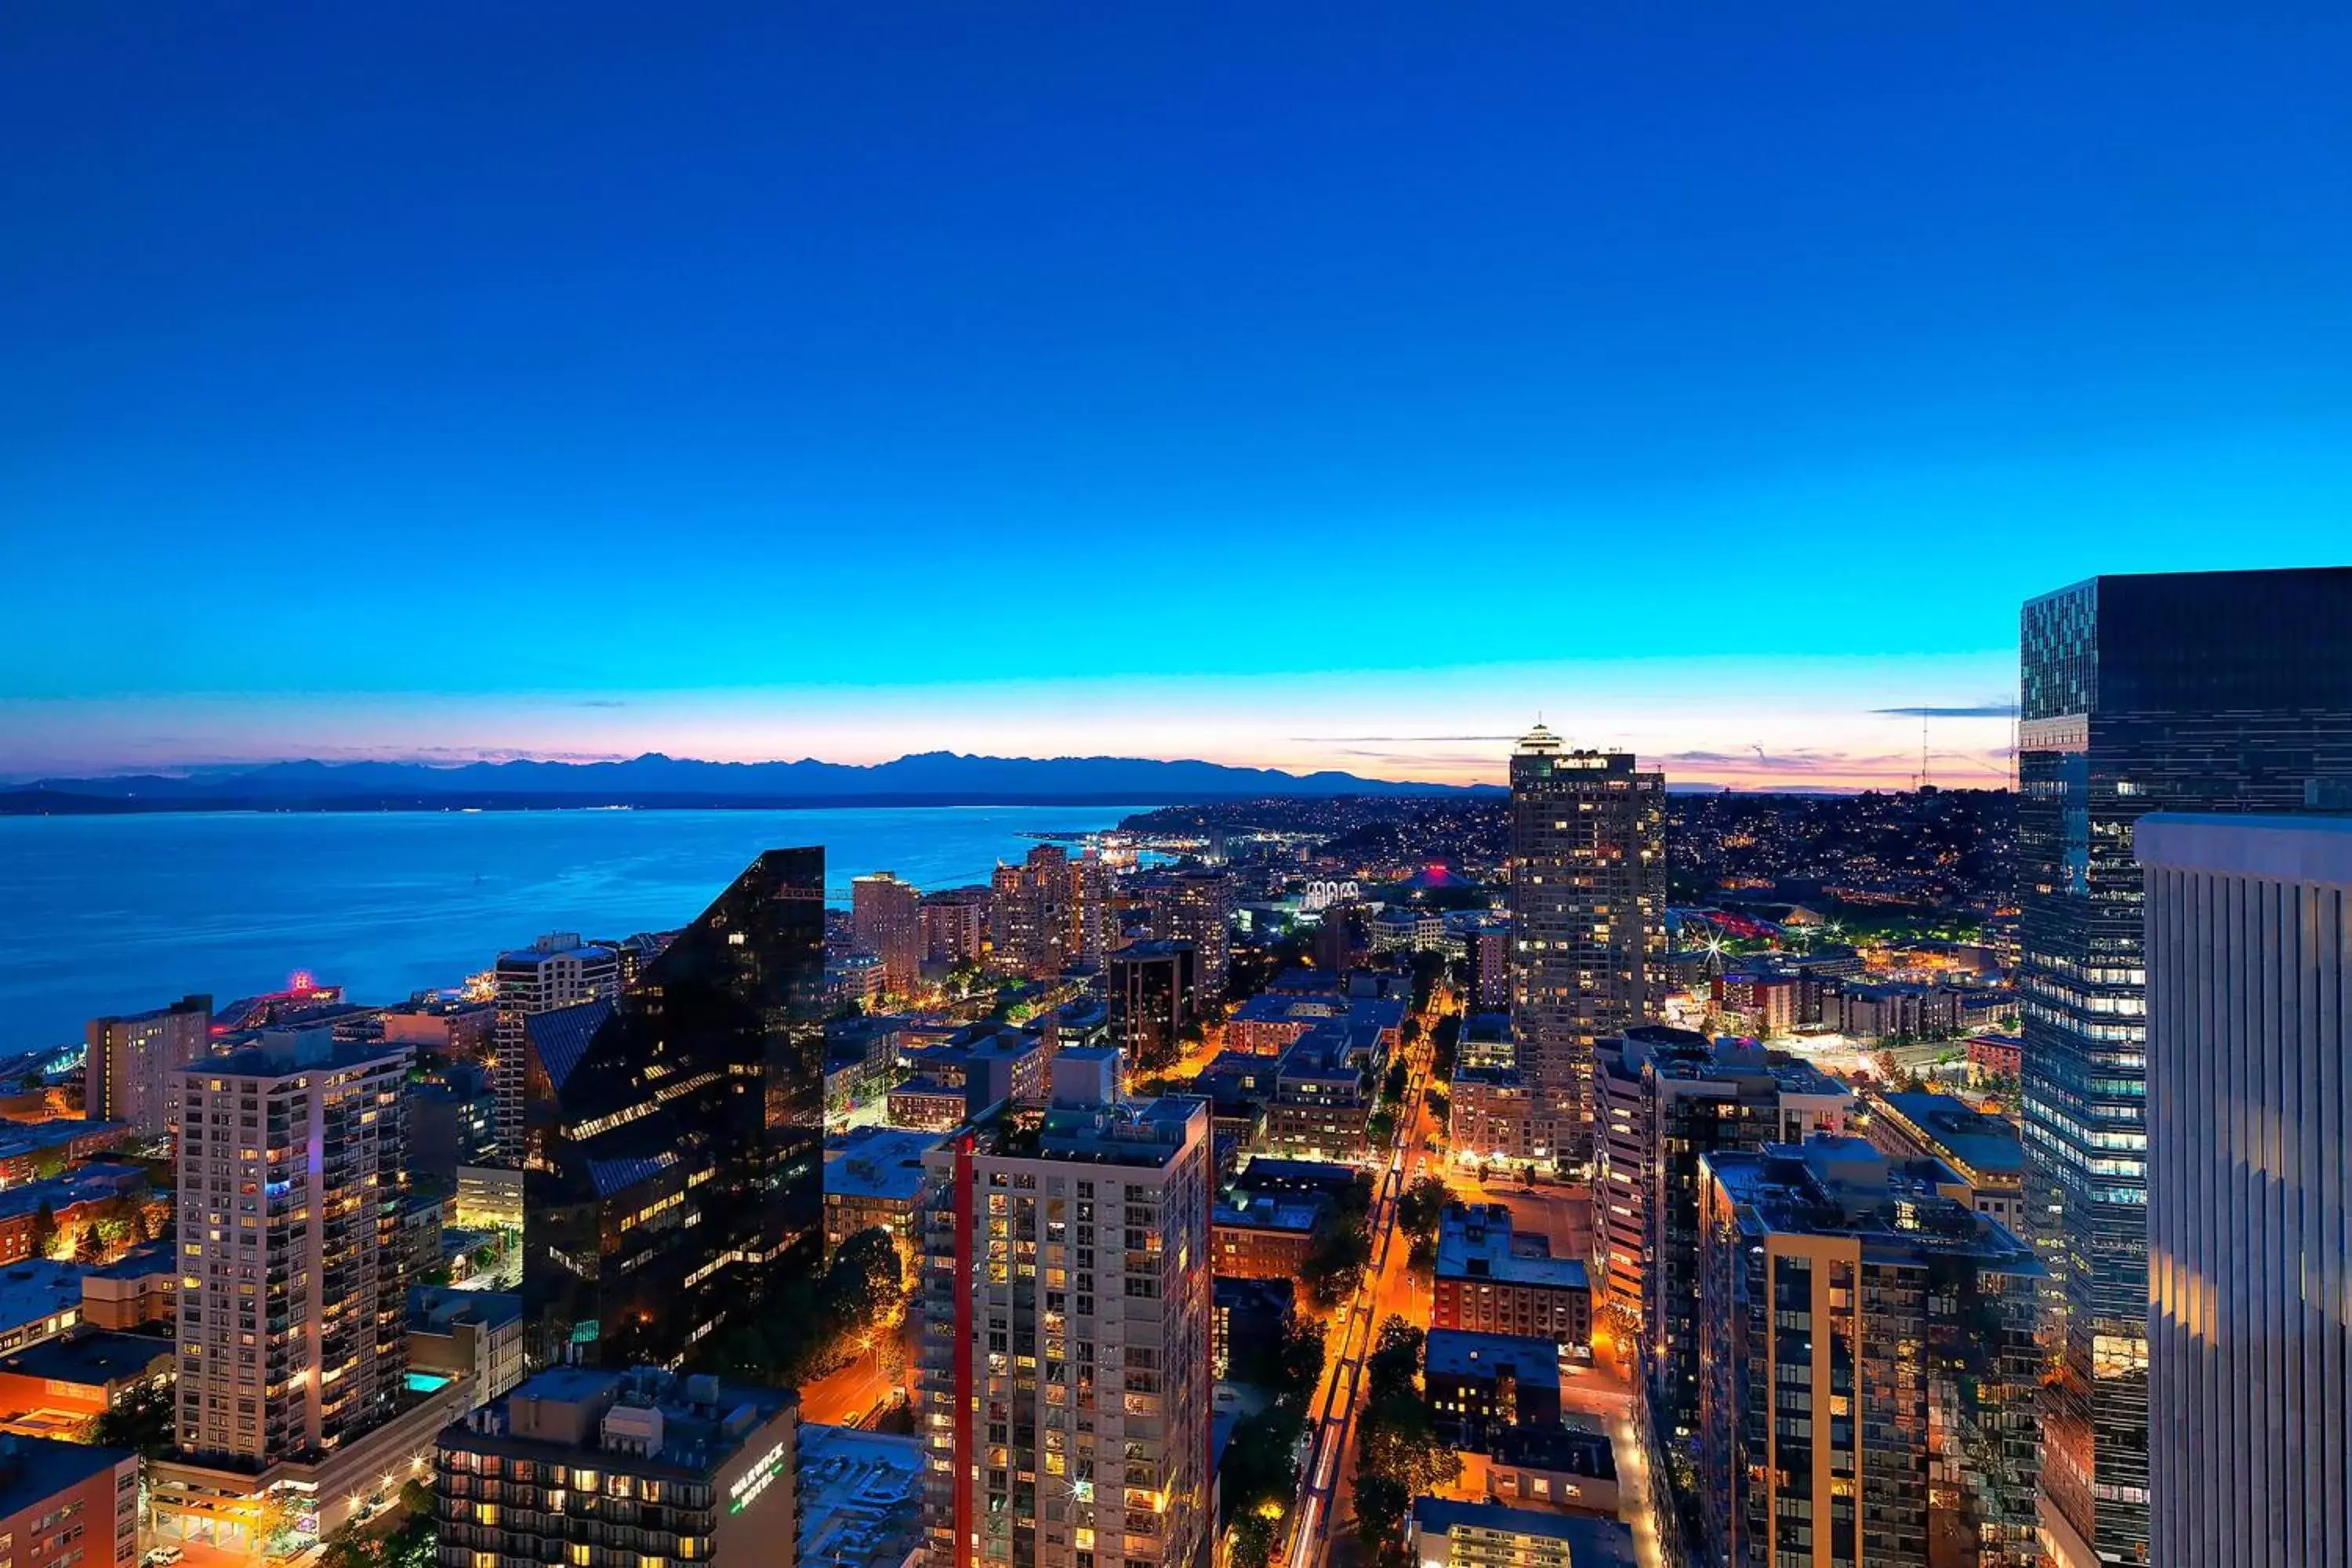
(1982, 1150)
(2250, 1112)
(1194, 907)
(673, 1139)
(1154, 992)
(2223, 692)
(1489, 1282)
(887, 916)
(1049, 912)
(1065, 1377)
(606, 1468)
(127, 1073)
(1588, 915)
(293, 1298)
(1443, 1533)
(65, 1505)
(555, 972)
(955, 926)
(1665, 1099)
(1868, 1365)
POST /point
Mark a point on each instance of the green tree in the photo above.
(1380, 1129)
(1336, 1256)
(1253, 1541)
(1420, 1205)
(1381, 1505)
(45, 1229)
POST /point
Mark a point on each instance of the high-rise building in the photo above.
(1663, 1099)
(673, 1141)
(1032, 914)
(1869, 1366)
(2223, 692)
(559, 971)
(1195, 907)
(887, 916)
(292, 1321)
(1154, 991)
(2250, 1113)
(1588, 916)
(127, 1073)
(68, 1505)
(955, 925)
(1066, 1378)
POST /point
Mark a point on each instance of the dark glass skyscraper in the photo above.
(674, 1135)
(2221, 691)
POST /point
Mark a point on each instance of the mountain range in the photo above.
(927, 778)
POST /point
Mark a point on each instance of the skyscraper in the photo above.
(2223, 692)
(2250, 1114)
(127, 1072)
(1064, 1385)
(1868, 1365)
(1153, 992)
(292, 1320)
(559, 971)
(673, 1137)
(1032, 913)
(1195, 907)
(885, 916)
(1588, 917)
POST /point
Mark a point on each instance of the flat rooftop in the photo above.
(1457, 1352)
(33, 1469)
(1985, 1144)
(1590, 1543)
(91, 1358)
(859, 1497)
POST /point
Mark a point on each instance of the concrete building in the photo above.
(1487, 1041)
(954, 924)
(1665, 1098)
(1443, 1533)
(1066, 1312)
(54, 1388)
(142, 1287)
(65, 1505)
(1869, 1369)
(557, 971)
(874, 1177)
(1248, 1312)
(467, 1336)
(1262, 1237)
(860, 1500)
(1587, 865)
(2249, 953)
(1323, 1097)
(606, 1466)
(454, 1031)
(1196, 907)
(39, 1299)
(127, 1073)
(1049, 912)
(1492, 1118)
(1553, 1466)
(1488, 944)
(1478, 1384)
(887, 916)
(1898, 1009)
(1269, 1022)
(1490, 1281)
(1984, 1149)
(292, 1316)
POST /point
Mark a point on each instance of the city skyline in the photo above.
(1781, 332)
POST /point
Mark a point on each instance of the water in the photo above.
(115, 914)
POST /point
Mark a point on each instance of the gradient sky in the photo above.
(1316, 386)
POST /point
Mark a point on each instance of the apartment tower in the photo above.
(1065, 1377)
(1588, 917)
(559, 971)
(885, 920)
(127, 1073)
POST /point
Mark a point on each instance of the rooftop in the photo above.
(21, 1137)
(1267, 1214)
(37, 1287)
(1475, 1242)
(878, 1163)
(1456, 1352)
(859, 1497)
(1560, 1449)
(1986, 1144)
(437, 1309)
(33, 1469)
(1842, 1186)
(92, 1357)
(1590, 1543)
(699, 1422)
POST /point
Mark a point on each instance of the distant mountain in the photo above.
(654, 780)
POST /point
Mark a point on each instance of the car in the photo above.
(162, 1555)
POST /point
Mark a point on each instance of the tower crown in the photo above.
(1540, 740)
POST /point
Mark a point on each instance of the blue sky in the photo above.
(851, 379)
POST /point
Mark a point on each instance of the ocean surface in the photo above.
(116, 914)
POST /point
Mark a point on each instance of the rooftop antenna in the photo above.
(1923, 752)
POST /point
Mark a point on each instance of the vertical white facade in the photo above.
(559, 971)
(2249, 944)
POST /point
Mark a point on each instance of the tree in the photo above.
(1381, 1505)
(1380, 1128)
(1253, 1541)
(862, 1285)
(45, 1229)
(1336, 1256)
(1441, 1108)
(1420, 1205)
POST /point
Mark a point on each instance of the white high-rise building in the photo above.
(292, 1322)
(2249, 953)
(1065, 1375)
(559, 971)
(127, 1073)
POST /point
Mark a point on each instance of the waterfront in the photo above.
(118, 913)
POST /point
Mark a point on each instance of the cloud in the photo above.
(1981, 710)
(599, 702)
(1365, 740)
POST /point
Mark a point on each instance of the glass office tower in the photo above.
(2225, 691)
(673, 1143)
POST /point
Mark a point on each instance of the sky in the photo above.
(1300, 385)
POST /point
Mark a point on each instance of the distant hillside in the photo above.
(928, 778)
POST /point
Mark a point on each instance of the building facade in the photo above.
(292, 1315)
(127, 1072)
(673, 1147)
(2250, 1113)
(64, 1505)
(1588, 867)
(1066, 1375)
(1485, 1284)
(1869, 1363)
(558, 971)
(887, 916)
(1154, 992)
(2225, 691)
